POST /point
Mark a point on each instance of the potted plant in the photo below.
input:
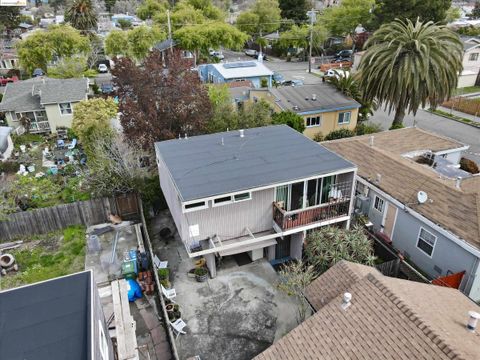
(170, 307)
(201, 274)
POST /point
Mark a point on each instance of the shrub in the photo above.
(200, 271)
(367, 128)
(318, 137)
(340, 134)
(289, 118)
(469, 166)
(163, 274)
(9, 167)
(396, 126)
(264, 83)
(26, 139)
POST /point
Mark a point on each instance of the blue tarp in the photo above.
(135, 291)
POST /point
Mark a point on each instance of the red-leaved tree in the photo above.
(163, 99)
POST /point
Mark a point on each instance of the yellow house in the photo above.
(323, 107)
(47, 103)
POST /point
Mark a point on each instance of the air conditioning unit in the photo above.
(362, 205)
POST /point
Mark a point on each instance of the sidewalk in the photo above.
(460, 114)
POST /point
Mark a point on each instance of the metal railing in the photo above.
(41, 126)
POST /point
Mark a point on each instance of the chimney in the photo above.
(242, 133)
(458, 182)
(314, 97)
(372, 138)
(472, 320)
(346, 302)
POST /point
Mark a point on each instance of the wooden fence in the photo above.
(41, 221)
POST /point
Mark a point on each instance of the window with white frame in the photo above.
(103, 344)
(378, 204)
(313, 121)
(426, 241)
(344, 117)
(242, 197)
(195, 206)
(473, 57)
(65, 108)
(224, 200)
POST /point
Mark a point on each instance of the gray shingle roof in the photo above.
(202, 167)
(299, 98)
(31, 94)
(47, 320)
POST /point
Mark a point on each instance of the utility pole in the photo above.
(311, 14)
(169, 25)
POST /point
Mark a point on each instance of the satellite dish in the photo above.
(422, 197)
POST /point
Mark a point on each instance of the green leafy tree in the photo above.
(297, 37)
(344, 18)
(71, 67)
(210, 35)
(289, 118)
(91, 120)
(295, 9)
(141, 39)
(294, 279)
(255, 115)
(407, 65)
(149, 8)
(124, 24)
(81, 15)
(59, 41)
(386, 11)
(263, 18)
(116, 43)
(469, 31)
(9, 18)
(223, 114)
(453, 14)
(329, 245)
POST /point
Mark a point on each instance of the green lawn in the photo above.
(43, 257)
(467, 90)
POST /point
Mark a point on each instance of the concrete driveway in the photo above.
(235, 316)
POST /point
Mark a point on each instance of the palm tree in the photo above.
(407, 65)
(82, 15)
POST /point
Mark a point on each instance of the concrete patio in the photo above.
(234, 316)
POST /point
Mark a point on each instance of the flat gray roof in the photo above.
(299, 98)
(47, 320)
(202, 167)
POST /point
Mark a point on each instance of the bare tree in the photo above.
(294, 279)
(117, 166)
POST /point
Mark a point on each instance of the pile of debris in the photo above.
(7, 261)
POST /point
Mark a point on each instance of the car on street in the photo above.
(343, 55)
(294, 82)
(107, 88)
(278, 78)
(218, 55)
(102, 68)
(251, 52)
(5, 80)
(38, 72)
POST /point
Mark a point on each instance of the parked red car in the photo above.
(4, 81)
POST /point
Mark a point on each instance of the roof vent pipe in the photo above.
(346, 302)
(242, 133)
(186, 137)
(314, 97)
(458, 181)
(372, 138)
(472, 320)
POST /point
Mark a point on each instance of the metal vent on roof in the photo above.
(243, 64)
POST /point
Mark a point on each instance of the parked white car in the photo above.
(217, 54)
(102, 68)
(251, 52)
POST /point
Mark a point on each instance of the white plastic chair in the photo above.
(72, 145)
(170, 294)
(178, 326)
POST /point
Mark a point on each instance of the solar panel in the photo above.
(243, 64)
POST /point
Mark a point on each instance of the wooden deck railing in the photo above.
(291, 219)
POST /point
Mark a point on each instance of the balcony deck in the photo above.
(287, 220)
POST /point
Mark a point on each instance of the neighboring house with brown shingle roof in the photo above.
(387, 318)
(441, 235)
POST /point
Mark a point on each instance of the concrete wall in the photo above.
(228, 221)
(447, 255)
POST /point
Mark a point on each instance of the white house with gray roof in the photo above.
(255, 191)
(47, 103)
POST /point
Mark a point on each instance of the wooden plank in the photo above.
(129, 324)
(119, 325)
